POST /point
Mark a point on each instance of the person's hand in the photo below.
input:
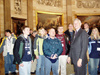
(21, 64)
(79, 63)
(37, 57)
(31, 61)
(68, 60)
(54, 57)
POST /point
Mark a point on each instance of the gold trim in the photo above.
(36, 19)
(86, 14)
(51, 14)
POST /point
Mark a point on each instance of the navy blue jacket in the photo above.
(92, 48)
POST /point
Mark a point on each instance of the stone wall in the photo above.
(9, 9)
(1, 18)
(19, 9)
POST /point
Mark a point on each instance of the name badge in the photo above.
(62, 45)
(98, 49)
(28, 52)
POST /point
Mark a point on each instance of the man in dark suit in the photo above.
(78, 49)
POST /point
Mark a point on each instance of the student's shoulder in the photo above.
(57, 40)
(4, 38)
(35, 39)
(46, 40)
(66, 31)
(19, 39)
(89, 38)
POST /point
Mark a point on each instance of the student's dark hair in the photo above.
(59, 26)
(70, 24)
(24, 27)
(34, 31)
(31, 29)
(51, 28)
(8, 31)
(86, 23)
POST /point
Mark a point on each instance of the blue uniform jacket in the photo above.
(93, 48)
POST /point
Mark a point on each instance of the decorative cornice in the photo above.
(88, 3)
(55, 3)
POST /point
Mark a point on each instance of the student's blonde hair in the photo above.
(92, 34)
(39, 31)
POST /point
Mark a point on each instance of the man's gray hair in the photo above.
(79, 21)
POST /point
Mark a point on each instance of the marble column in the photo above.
(7, 14)
(30, 13)
(69, 12)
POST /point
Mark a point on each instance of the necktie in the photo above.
(75, 33)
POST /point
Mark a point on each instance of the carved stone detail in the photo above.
(88, 3)
(17, 6)
(55, 3)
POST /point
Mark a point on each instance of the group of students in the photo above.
(52, 51)
(93, 53)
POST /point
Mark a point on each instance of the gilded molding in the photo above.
(88, 3)
(55, 3)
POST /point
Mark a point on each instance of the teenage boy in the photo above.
(6, 46)
(23, 52)
(63, 57)
(52, 48)
(86, 27)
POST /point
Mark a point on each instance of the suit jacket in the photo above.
(79, 47)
